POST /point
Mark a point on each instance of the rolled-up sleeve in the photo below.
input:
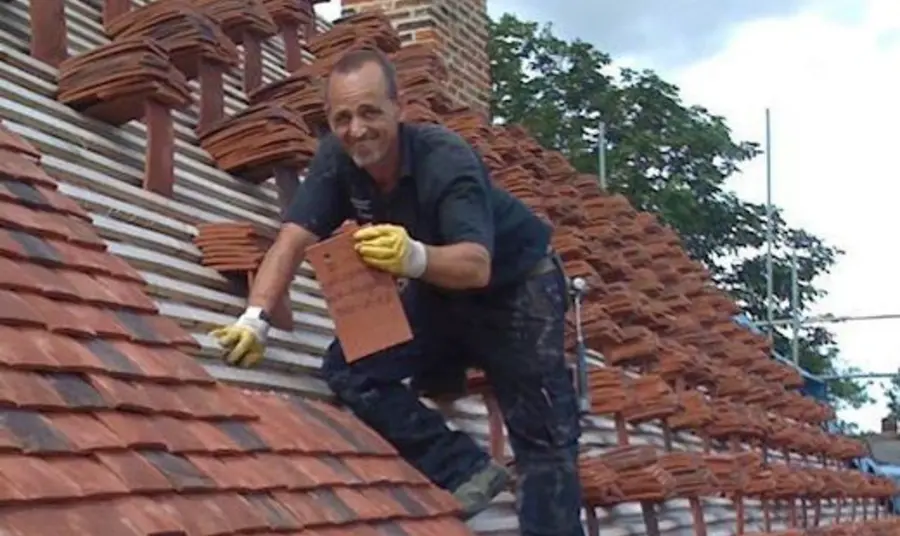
(321, 204)
(463, 198)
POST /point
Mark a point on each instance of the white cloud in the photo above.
(675, 32)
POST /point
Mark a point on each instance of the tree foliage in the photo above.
(668, 158)
(892, 393)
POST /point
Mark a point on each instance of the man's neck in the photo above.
(386, 173)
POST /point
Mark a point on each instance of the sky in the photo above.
(829, 71)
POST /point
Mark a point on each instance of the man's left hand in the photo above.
(390, 248)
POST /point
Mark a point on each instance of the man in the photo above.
(483, 290)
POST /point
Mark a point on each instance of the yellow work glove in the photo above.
(389, 248)
(245, 340)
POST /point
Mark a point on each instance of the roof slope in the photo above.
(108, 427)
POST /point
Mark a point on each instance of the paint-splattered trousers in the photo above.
(516, 336)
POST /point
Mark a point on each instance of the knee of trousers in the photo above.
(350, 389)
(350, 385)
(343, 381)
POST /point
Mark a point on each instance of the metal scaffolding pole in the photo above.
(601, 154)
(828, 319)
(770, 230)
(795, 311)
(858, 376)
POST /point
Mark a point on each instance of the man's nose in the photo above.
(357, 128)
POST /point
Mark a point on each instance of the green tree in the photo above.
(668, 158)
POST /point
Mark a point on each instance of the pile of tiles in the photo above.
(674, 355)
(111, 82)
(882, 527)
(368, 29)
(422, 75)
(154, 50)
(238, 18)
(289, 12)
(236, 249)
(186, 32)
(301, 93)
(232, 246)
(257, 140)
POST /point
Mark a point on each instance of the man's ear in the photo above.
(395, 108)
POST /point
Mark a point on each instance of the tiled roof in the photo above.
(107, 426)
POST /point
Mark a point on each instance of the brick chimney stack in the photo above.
(459, 28)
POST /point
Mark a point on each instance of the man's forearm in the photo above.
(459, 266)
(276, 272)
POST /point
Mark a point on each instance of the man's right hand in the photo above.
(245, 340)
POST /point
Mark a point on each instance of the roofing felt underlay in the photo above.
(107, 426)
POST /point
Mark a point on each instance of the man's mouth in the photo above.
(364, 147)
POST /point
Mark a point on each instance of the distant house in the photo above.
(884, 456)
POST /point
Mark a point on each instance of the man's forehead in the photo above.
(367, 77)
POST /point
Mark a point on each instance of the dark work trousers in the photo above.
(516, 336)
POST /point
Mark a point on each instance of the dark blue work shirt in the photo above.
(444, 196)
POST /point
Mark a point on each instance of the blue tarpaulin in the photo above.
(815, 388)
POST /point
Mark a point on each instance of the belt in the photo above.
(546, 265)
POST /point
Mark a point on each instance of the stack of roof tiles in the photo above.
(232, 246)
(368, 29)
(300, 92)
(883, 527)
(674, 355)
(254, 142)
(185, 31)
(108, 427)
(154, 50)
(110, 82)
(291, 12)
(422, 75)
(237, 18)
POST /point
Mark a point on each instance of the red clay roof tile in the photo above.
(108, 427)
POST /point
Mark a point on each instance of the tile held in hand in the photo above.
(363, 302)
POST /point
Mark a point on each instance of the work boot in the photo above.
(477, 493)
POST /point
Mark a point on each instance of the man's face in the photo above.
(362, 115)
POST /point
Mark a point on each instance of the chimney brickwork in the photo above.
(459, 28)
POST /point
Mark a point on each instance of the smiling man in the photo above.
(485, 290)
